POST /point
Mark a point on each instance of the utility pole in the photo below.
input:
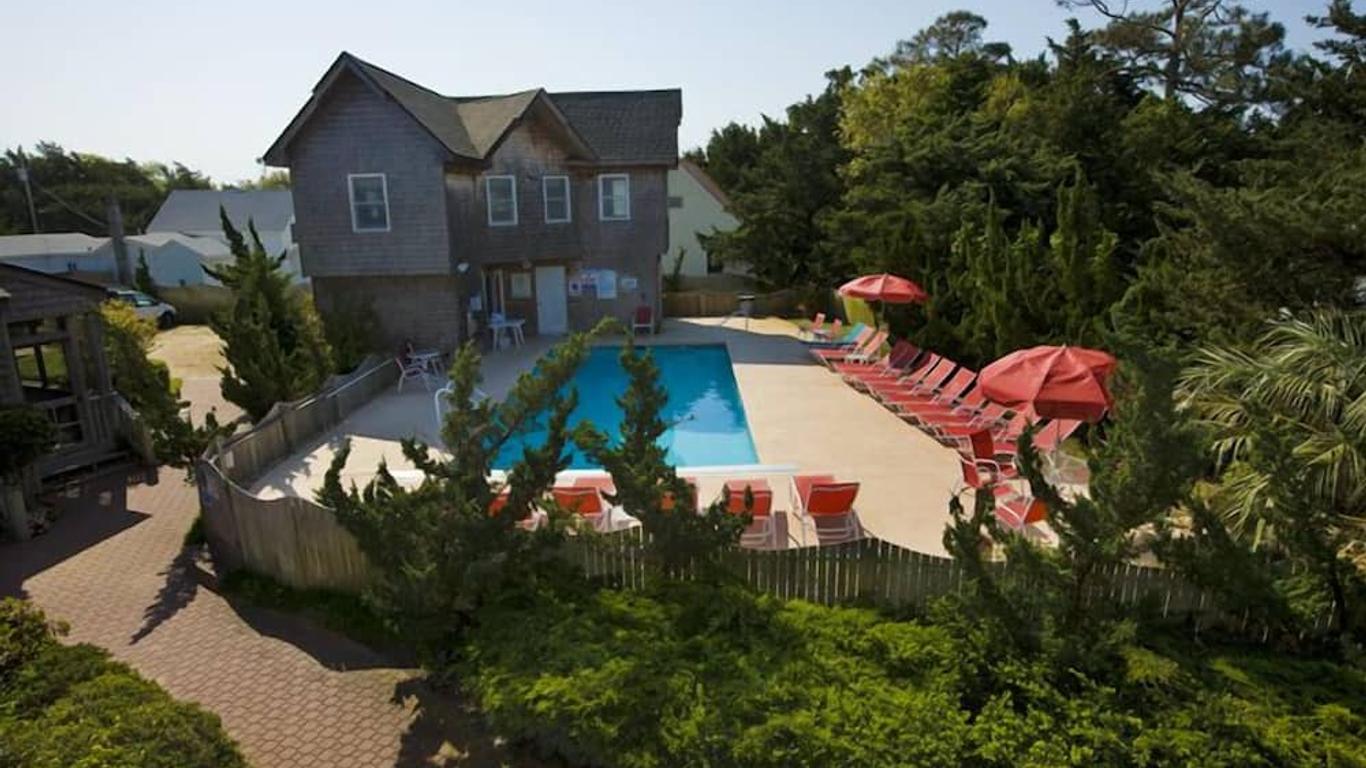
(28, 191)
(123, 271)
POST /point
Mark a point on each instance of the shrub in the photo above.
(688, 675)
(25, 435)
(72, 706)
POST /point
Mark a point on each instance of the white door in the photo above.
(552, 302)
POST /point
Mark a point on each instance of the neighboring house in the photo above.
(696, 206)
(194, 212)
(57, 253)
(175, 260)
(438, 211)
(52, 357)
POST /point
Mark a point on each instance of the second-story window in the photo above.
(614, 197)
(555, 191)
(501, 192)
(369, 202)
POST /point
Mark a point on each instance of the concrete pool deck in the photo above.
(802, 418)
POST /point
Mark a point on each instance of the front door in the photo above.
(552, 307)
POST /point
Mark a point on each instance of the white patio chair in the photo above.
(408, 369)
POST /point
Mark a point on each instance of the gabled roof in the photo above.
(621, 127)
(64, 243)
(705, 181)
(196, 210)
(207, 247)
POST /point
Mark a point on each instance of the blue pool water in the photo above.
(704, 407)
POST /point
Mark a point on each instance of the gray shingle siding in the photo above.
(357, 131)
(530, 153)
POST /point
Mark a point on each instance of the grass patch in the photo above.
(342, 613)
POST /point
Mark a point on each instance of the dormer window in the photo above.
(555, 192)
(501, 192)
(369, 202)
(614, 197)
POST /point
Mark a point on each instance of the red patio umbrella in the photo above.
(888, 289)
(1055, 382)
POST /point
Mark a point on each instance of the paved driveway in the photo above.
(290, 693)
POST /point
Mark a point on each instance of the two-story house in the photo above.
(438, 211)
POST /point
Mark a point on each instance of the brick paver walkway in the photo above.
(289, 693)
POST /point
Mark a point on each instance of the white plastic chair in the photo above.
(410, 370)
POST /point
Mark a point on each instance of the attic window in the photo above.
(369, 202)
(614, 197)
(501, 192)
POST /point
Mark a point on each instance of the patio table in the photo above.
(427, 358)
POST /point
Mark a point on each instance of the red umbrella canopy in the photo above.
(888, 288)
(1056, 382)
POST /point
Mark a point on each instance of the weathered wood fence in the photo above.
(300, 543)
(291, 539)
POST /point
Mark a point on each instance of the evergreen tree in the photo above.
(142, 277)
(442, 549)
(272, 341)
(647, 486)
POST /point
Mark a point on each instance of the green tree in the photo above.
(1212, 51)
(142, 277)
(71, 190)
(782, 198)
(440, 549)
(1141, 471)
(272, 340)
(647, 486)
(148, 387)
(957, 33)
(1287, 414)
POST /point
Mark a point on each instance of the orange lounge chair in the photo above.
(943, 394)
(932, 372)
(1014, 510)
(829, 505)
(529, 523)
(583, 500)
(893, 365)
(761, 529)
(817, 327)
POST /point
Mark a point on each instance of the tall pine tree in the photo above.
(275, 349)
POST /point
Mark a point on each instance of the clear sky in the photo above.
(210, 83)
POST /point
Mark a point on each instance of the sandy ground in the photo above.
(194, 354)
(804, 419)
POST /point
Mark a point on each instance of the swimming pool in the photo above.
(709, 426)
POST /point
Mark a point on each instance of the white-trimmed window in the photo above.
(369, 202)
(501, 193)
(614, 197)
(555, 193)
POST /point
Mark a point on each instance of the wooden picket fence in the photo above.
(874, 570)
(300, 543)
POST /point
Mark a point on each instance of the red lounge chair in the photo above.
(1014, 510)
(761, 529)
(944, 394)
(829, 505)
(891, 367)
(817, 327)
(582, 500)
(529, 523)
(668, 503)
(644, 319)
(930, 372)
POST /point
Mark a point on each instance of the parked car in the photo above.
(150, 307)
